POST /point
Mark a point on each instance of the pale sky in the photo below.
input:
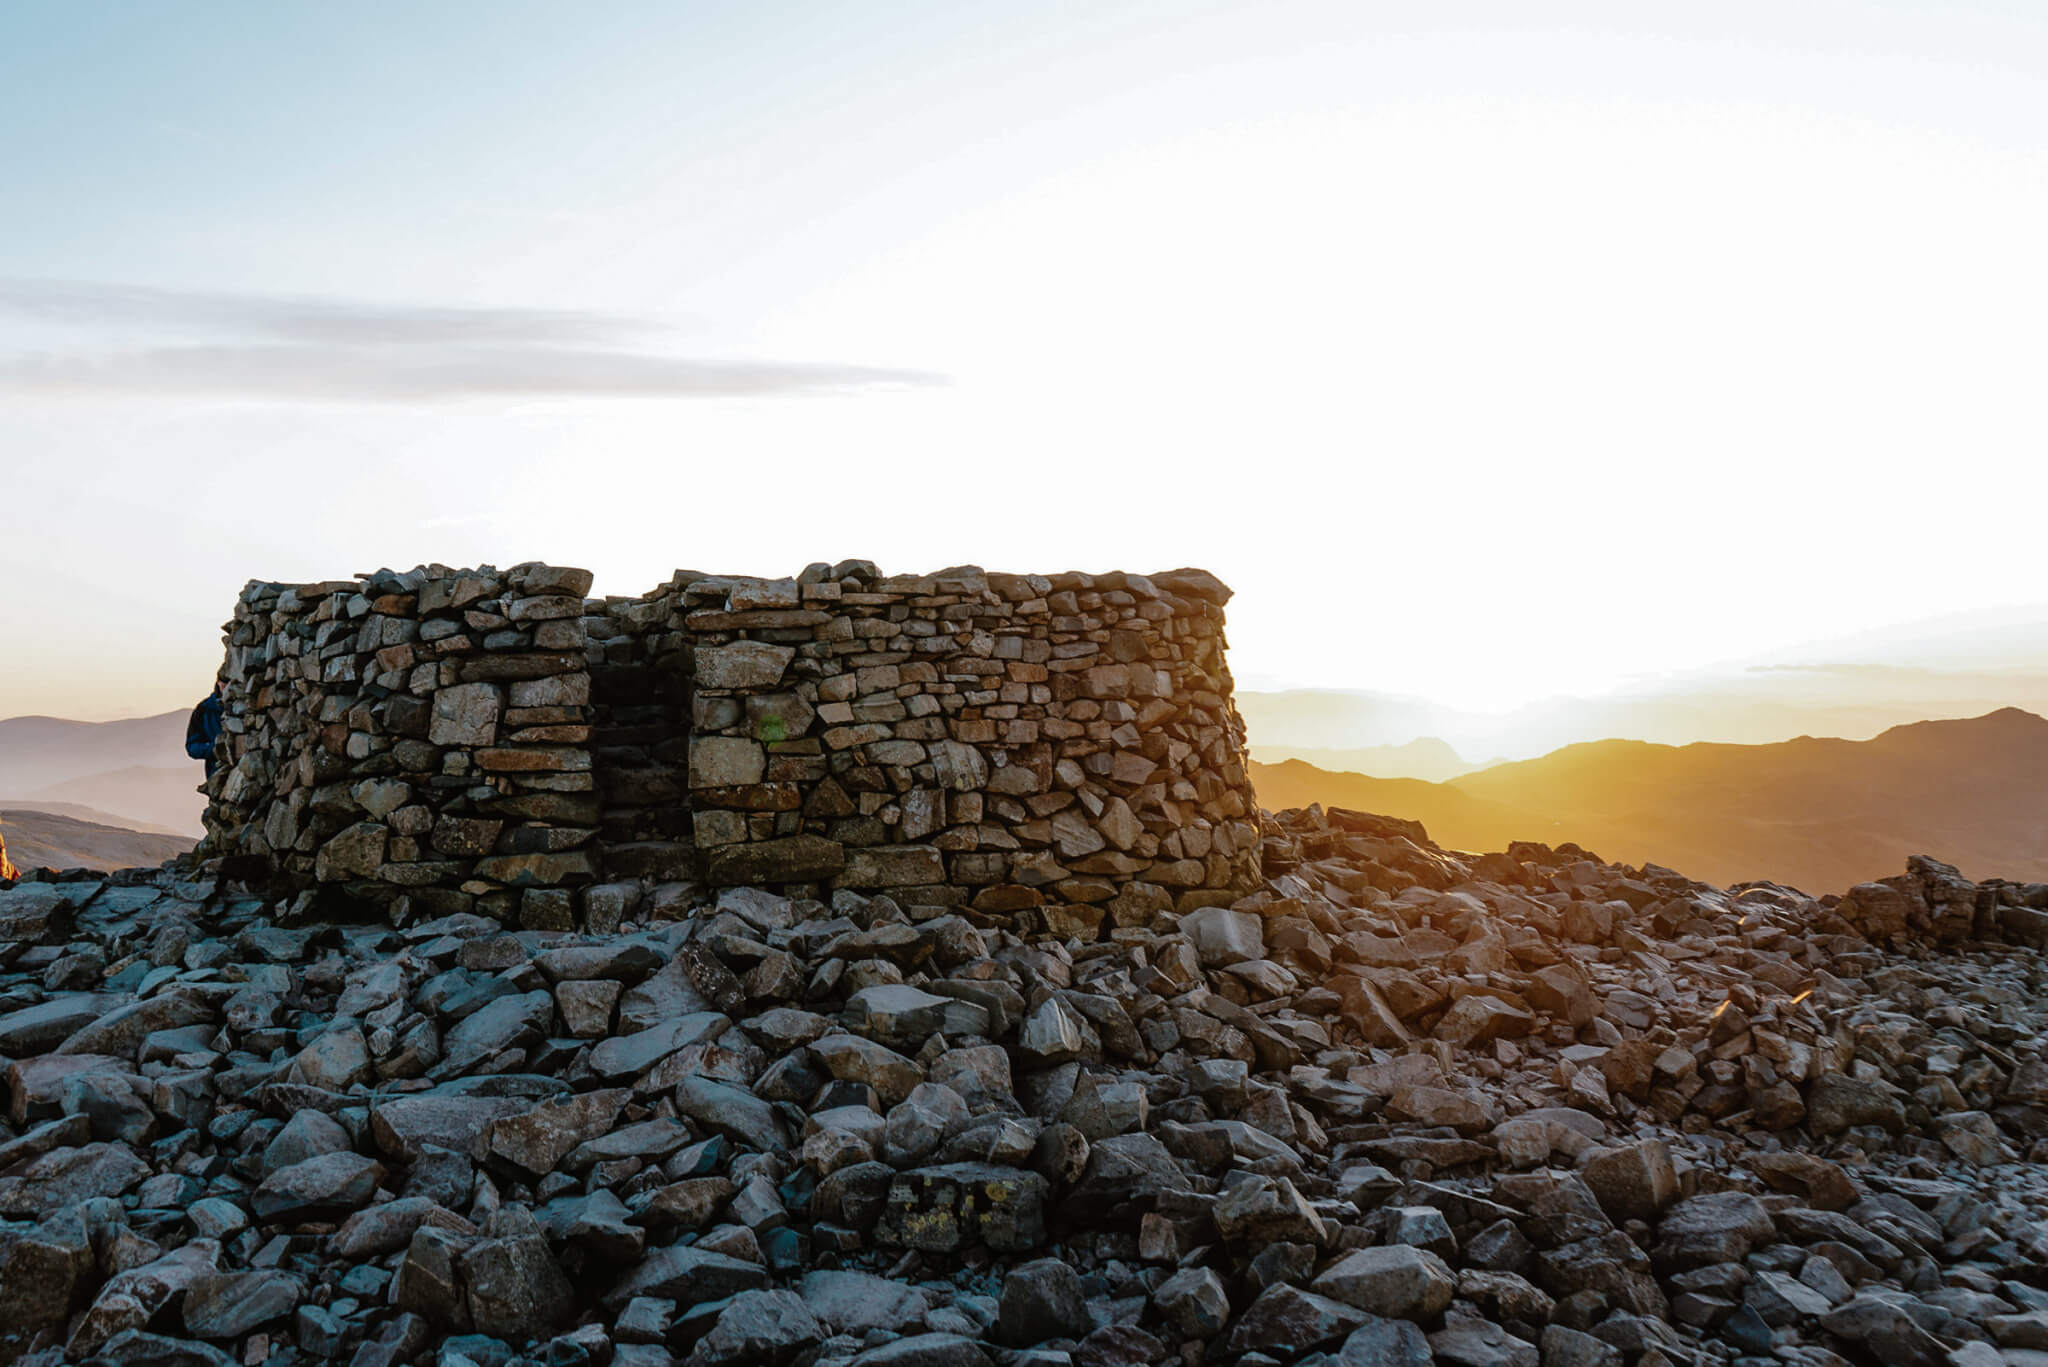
(1491, 351)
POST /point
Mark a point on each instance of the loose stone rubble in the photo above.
(1397, 1105)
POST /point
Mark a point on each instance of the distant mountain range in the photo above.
(1424, 757)
(1958, 665)
(1818, 814)
(130, 773)
(37, 840)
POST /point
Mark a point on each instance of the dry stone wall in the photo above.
(1064, 745)
(1054, 750)
(421, 735)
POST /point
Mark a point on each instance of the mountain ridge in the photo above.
(1425, 757)
(1815, 812)
(40, 751)
(134, 769)
(39, 839)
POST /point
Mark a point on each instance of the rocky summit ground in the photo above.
(1400, 1106)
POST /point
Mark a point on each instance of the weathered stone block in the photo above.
(795, 859)
(743, 664)
(357, 852)
(725, 761)
(563, 690)
(944, 1209)
(539, 870)
(892, 866)
(466, 715)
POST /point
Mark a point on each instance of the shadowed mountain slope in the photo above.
(1424, 757)
(134, 771)
(143, 798)
(1819, 814)
(46, 840)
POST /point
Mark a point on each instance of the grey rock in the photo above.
(496, 1027)
(955, 1205)
(406, 1126)
(1835, 1102)
(1564, 1347)
(1286, 1321)
(1193, 1303)
(1385, 1343)
(65, 1177)
(1041, 1300)
(853, 1059)
(46, 1272)
(38, 1028)
(1717, 1228)
(623, 1056)
(1266, 1210)
(758, 1327)
(335, 1061)
(330, 1186)
(536, 1139)
(1609, 1264)
(137, 1346)
(650, 1140)
(924, 1350)
(308, 1134)
(1481, 1343)
(622, 961)
(386, 1228)
(687, 1275)
(513, 1287)
(733, 1112)
(119, 1033)
(1780, 1299)
(1635, 1182)
(1054, 1032)
(855, 1302)
(921, 1122)
(896, 1014)
(1886, 1331)
(1223, 937)
(599, 1226)
(1398, 1282)
(230, 1305)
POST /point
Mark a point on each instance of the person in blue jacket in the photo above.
(203, 730)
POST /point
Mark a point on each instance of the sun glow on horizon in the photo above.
(1492, 364)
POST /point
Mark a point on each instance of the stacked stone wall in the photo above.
(421, 735)
(1051, 750)
(1063, 746)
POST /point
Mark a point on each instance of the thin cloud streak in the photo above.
(297, 318)
(290, 348)
(415, 375)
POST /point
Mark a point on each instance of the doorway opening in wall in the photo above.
(640, 754)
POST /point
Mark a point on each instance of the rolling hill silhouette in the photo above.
(39, 839)
(1424, 757)
(38, 752)
(1818, 814)
(131, 773)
